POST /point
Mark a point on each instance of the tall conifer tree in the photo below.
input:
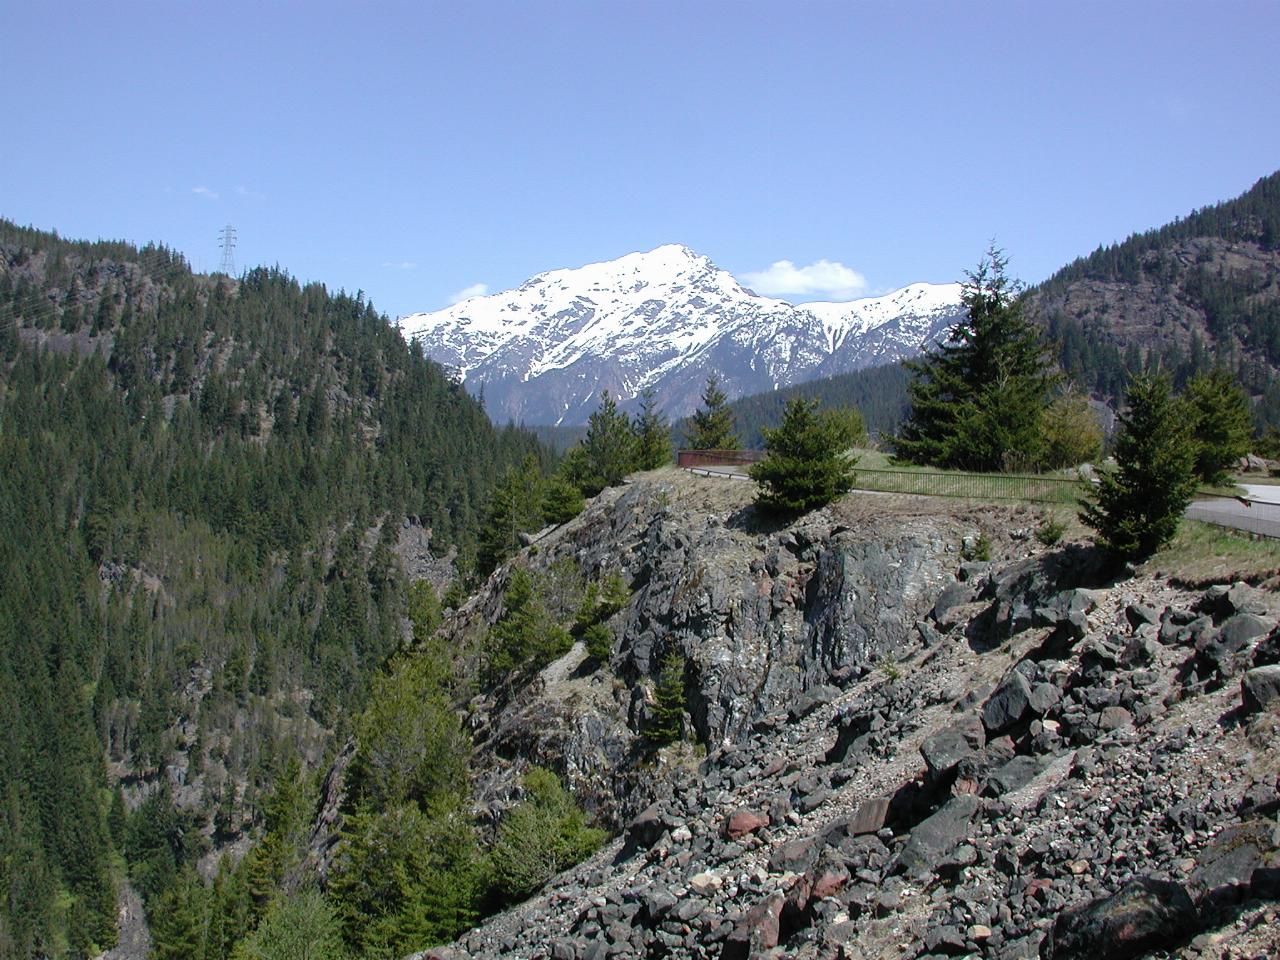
(711, 427)
(977, 400)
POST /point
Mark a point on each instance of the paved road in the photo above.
(1258, 511)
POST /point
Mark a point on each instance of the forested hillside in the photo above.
(1200, 291)
(878, 393)
(208, 485)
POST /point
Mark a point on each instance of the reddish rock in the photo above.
(829, 880)
(742, 822)
(773, 766)
(757, 931)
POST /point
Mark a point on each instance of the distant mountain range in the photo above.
(665, 319)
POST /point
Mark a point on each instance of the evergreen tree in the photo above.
(652, 433)
(405, 878)
(977, 400)
(301, 926)
(542, 835)
(1072, 434)
(1222, 423)
(412, 746)
(712, 425)
(562, 501)
(177, 920)
(806, 465)
(525, 638)
(514, 508)
(1136, 508)
(609, 448)
(668, 700)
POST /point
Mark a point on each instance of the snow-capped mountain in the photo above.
(666, 319)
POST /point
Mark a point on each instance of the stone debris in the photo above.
(1060, 766)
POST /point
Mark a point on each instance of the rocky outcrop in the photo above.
(767, 619)
(905, 755)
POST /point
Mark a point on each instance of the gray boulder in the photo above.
(935, 837)
(1260, 689)
(1009, 704)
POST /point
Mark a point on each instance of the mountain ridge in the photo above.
(662, 319)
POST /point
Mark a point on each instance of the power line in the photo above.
(228, 237)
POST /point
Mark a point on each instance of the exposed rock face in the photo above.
(1044, 764)
(767, 620)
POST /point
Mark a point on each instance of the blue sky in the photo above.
(417, 150)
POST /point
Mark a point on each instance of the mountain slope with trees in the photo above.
(1198, 292)
(209, 488)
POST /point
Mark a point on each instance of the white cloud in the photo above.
(400, 264)
(822, 278)
(204, 192)
(466, 293)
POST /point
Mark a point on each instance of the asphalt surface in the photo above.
(1258, 511)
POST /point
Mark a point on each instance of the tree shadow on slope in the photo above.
(757, 522)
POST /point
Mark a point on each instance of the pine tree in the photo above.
(977, 400)
(542, 835)
(1136, 508)
(177, 920)
(562, 501)
(712, 425)
(525, 638)
(806, 465)
(514, 508)
(1072, 434)
(652, 433)
(668, 700)
(301, 926)
(609, 447)
(1223, 426)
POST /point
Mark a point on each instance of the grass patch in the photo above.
(1204, 553)
(875, 471)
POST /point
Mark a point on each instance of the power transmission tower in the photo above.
(228, 237)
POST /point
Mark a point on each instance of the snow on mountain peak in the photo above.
(662, 318)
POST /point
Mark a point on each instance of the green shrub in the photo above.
(599, 642)
(1051, 531)
(979, 549)
(541, 836)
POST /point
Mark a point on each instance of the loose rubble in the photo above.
(910, 755)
